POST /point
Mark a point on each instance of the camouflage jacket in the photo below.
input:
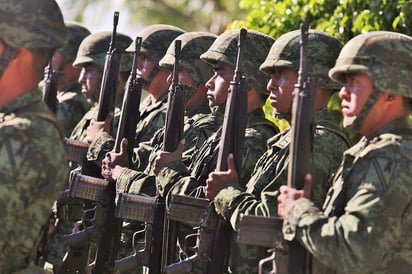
(260, 197)
(197, 130)
(366, 220)
(71, 107)
(152, 118)
(270, 172)
(191, 180)
(33, 170)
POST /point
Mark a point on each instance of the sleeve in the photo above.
(370, 229)
(102, 144)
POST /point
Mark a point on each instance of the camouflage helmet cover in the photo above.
(385, 56)
(193, 45)
(77, 33)
(257, 45)
(155, 40)
(322, 51)
(94, 47)
(32, 24)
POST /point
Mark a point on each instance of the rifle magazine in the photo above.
(87, 187)
(135, 207)
(76, 150)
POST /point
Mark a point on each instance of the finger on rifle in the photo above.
(307, 186)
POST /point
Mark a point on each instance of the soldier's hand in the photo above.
(163, 158)
(220, 179)
(114, 163)
(289, 195)
(96, 127)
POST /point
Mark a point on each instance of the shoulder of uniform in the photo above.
(383, 142)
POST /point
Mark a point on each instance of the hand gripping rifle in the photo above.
(152, 253)
(50, 87)
(213, 233)
(268, 230)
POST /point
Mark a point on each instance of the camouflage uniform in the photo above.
(72, 104)
(176, 177)
(258, 129)
(260, 197)
(155, 40)
(32, 172)
(93, 50)
(198, 124)
(365, 223)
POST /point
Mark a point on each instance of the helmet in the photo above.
(155, 40)
(94, 47)
(32, 24)
(385, 56)
(193, 45)
(322, 51)
(257, 45)
(77, 33)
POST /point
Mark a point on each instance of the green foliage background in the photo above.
(343, 19)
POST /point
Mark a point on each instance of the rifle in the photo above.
(50, 88)
(267, 230)
(213, 233)
(200, 214)
(301, 146)
(232, 141)
(96, 199)
(152, 256)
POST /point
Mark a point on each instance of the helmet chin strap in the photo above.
(356, 122)
(149, 79)
(5, 58)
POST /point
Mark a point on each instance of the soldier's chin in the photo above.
(349, 121)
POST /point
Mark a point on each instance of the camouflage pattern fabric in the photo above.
(94, 47)
(368, 53)
(365, 223)
(152, 118)
(322, 50)
(72, 106)
(190, 180)
(196, 131)
(155, 40)
(260, 197)
(32, 24)
(257, 45)
(76, 34)
(32, 174)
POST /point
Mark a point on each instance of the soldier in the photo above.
(260, 197)
(364, 225)
(222, 56)
(33, 163)
(90, 58)
(199, 124)
(155, 41)
(173, 176)
(72, 104)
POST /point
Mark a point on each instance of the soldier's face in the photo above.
(184, 78)
(354, 95)
(89, 78)
(218, 85)
(145, 66)
(281, 86)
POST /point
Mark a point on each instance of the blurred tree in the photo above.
(191, 15)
